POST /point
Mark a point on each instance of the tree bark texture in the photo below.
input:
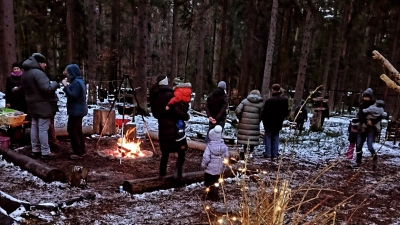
(198, 88)
(48, 174)
(327, 65)
(175, 45)
(9, 45)
(270, 50)
(283, 66)
(142, 62)
(92, 51)
(70, 30)
(224, 18)
(305, 52)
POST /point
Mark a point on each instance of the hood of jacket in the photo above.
(31, 63)
(254, 98)
(73, 71)
(217, 147)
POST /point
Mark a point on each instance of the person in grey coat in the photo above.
(213, 161)
(249, 115)
(39, 93)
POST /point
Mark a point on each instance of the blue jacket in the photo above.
(76, 92)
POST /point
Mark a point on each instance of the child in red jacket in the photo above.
(182, 94)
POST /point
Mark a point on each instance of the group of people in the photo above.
(30, 90)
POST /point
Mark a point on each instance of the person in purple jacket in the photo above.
(213, 161)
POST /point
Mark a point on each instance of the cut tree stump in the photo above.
(100, 119)
(158, 183)
(46, 173)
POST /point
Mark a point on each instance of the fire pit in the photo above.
(127, 149)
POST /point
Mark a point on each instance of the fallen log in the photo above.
(46, 173)
(62, 131)
(233, 122)
(158, 183)
(191, 144)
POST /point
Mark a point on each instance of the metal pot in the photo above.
(129, 109)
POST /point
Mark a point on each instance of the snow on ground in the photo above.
(319, 148)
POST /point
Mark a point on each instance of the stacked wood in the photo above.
(46, 173)
(104, 122)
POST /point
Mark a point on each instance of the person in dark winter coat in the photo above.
(75, 90)
(366, 132)
(302, 116)
(39, 93)
(160, 95)
(276, 109)
(214, 157)
(15, 97)
(217, 107)
(249, 115)
(353, 133)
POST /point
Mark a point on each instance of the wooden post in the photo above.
(48, 174)
(99, 121)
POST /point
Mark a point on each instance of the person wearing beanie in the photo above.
(160, 95)
(15, 99)
(217, 107)
(213, 163)
(39, 94)
(366, 132)
(249, 115)
(75, 90)
(276, 109)
(369, 130)
(181, 99)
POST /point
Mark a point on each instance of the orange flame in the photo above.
(128, 148)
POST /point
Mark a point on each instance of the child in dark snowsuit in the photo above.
(214, 156)
(353, 133)
(182, 95)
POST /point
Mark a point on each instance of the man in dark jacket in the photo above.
(39, 92)
(276, 109)
(216, 107)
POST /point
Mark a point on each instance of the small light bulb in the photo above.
(234, 218)
(275, 190)
(207, 207)
(216, 184)
(220, 180)
(207, 189)
(226, 161)
(279, 208)
(220, 221)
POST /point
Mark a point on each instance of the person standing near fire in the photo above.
(160, 95)
(75, 90)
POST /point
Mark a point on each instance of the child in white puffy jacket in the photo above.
(213, 161)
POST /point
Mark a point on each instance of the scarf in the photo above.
(163, 81)
(16, 74)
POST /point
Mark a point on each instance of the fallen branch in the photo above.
(394, 74)
(390, 83)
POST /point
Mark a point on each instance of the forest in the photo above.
(250, 44)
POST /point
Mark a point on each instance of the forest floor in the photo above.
(367, 199)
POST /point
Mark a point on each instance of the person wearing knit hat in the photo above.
(215, 156)
(160, 94)
(276, 109)
(217, 107)
(15, 99)
(39, 95)
(366, 132)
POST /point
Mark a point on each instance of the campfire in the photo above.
(128, 148)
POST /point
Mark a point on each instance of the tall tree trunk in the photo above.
(223, 40)
(114, 51)
(283, 66)
(217, 45)
(142, 65)
(175, 46)
(327, 65)
(270, 50)
(70, 30)
(305, 52)
(8, 52)
(198, 88)
(247, 50)
(92, 51)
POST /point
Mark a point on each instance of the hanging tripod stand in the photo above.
(124, 84)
